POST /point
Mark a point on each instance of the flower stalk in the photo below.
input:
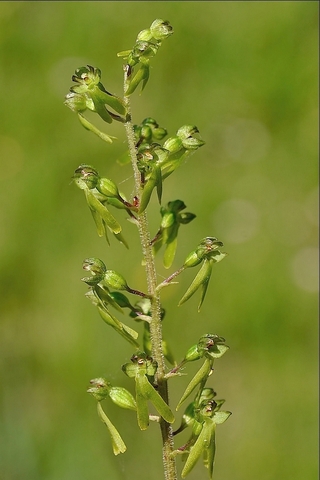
(169, 463)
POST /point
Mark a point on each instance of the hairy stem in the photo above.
(169, 463)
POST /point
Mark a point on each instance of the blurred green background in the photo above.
(246, 73)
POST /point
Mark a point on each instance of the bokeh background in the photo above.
(246, 73)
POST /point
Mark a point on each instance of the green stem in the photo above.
(169, 463)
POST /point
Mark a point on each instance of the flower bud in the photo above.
(144, 133)
(151, 122)
(144, 35)
(161, 29)
(173, 144)
(158, 133)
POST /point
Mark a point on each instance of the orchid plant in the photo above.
(152, 366)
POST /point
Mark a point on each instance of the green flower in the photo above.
(202, 441)
(185, 142)
(87, 179)
(208, 253)
(100, 388)
(90, 94)
(143, 369)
